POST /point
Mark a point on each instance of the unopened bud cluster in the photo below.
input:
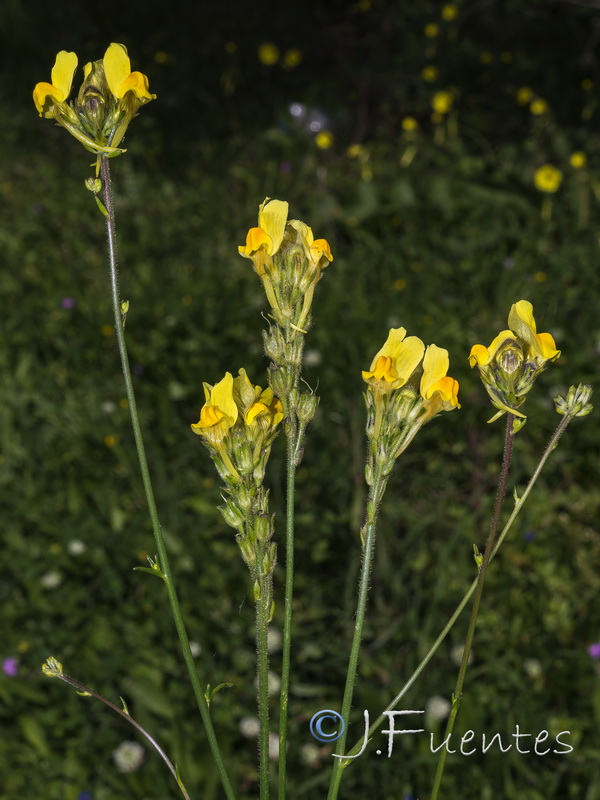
(576, 403)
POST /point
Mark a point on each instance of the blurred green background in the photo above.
(430, 204)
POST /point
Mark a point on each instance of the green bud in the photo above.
(232, 515)
(576, 403)
(307, 407)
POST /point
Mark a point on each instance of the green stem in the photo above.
(263, 612)
(85, 690)
(291, 447)
(141, 453)
(489, 547)
(469, 593)
(368, 535)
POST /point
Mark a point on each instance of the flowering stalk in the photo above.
(238, 424)
(161, 565)
(583, 409)
(289, 261)
(407, 385)
(53, 669)
(576, 404)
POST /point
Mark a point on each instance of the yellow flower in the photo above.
(431, 30)
(120, 78)
(268, 54)
(547, 178)
(255, 404)
(324, 140)
(264, 241)
(524, 95)
(509, 366)
(410, 124)
(355, 151)
(442, 102)
(395, 362)
(538, 107)
(108, 99)
(578, 160)
(437, 388)
(449, 12)
(45, 95)
(219, 412)
(315, 249)
(430, 73)
(587, 84)
(292, 58)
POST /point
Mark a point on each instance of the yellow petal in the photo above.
(321, 246)
(435, 367)
(500, 340)
(272, 217)
(117, 68)
(479, 355)
(304, 230)
(137, 83)
(254, 410)
(384, 370)
(547, 346)
(42, 91)
(222, 397)
(63, 71)
(408, 358)
(391, 346)
(255, 238)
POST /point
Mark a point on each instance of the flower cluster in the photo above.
(512, 362)
(108, 99)
(407, 385)
(290, 263)
(238, 423)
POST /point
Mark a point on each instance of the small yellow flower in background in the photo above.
(510, 365)
(430, 73)
(161, 57)
(354, 150)
(431, 30)
(108, 99)
(324, 140)
(538, 107)
(410, 124)
(399, 285)
(547, 178)
(506, 56)
(449, 12)
(110, 440)
(578, 160)
(292, 58)
(587, 84)
(107, 330)
(486, 57)
(268, 54)
(524, 95)
(540, 277)
(231, 47)
(441, 102)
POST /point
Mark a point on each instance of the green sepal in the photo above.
(101, 206)
(151, 571)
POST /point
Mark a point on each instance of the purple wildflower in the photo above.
(10, 666)
(67, 302)
(594, 651)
